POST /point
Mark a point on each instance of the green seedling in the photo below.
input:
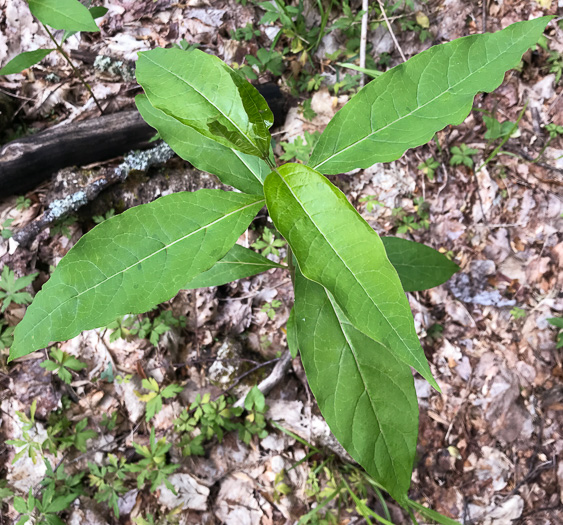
(429, 167)
(270, 308)
(463, 154)
(153, 467)
(307, 111)
(555, 61)
(499, 130)
(22, 203)
(6, 229)
(42, 511)
(63, 434)
(371, 202)
(245, 33)
(155, 396)
(11, 288)
(27, 444)
(265, 60)
(518, 313)
(300, 148)
(98, 219)
(109, 481)
(62, 227)
(61, 364)
(349, 284)
(268, 243)
(558, 323)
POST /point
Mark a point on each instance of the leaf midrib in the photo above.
(166, 247)
(343, 150)
(364, 381)
(203, 96)
(421, 365)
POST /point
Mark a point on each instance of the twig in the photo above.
(363, 38)
(391, 30)
(76, 72)
(63, 207)
(278, 373)
(485, 16)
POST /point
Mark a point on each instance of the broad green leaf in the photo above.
(291, 334)
(404, 107)
(238, 263)
(202, 92)
(240, 170)
(63, 14)
(97, 12)
(365, 393)
(419, 266)
(24, 60)
(335, 247)
(133, 261)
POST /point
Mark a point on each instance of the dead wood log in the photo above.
(26, 162)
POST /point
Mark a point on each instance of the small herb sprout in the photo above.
(61, 363)
(153, 330)
(498, 130)
(265, 60)
(155, 396)
(555, 61)
(429, 167)
(554, 130)
(61, 227)
(6, 335)
(307, 111)
(22, 203)
(6, 229)
(270, 308)
(109, 481)
(5, 492)
(434, 332)
(27, 444)
(558, 323)
(300, 148)
(10, 288)
(269, 243)
(153, 467)
(245, 33)
(518, 313)
(63, 434)
(61, 482)
(255, 421)
(462, 154)
(42, 511)
(98, 219)
(371, 202)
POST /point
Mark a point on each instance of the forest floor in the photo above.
(490, 448)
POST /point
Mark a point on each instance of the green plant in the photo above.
(429, 167)
(155, 396)
(109, 481)
(61, 227)
(518, 313)
(254, 422)
(554, 130)
(22, 203)
(307, 111)
(42, 511)
(350, 305)
(499, 130)
(558, 323)
(145, 328)
(268, 243)
(462, 154)
(153, 466)
(69, 15)
(371, 202)
(555, 61)
(28, 443)
(300, 149)
(245, 33)
(98, 219)
(270, 308)
(61, 363)
(6, 335)
(60, 482)
(6, 228)
(10, 288)
(63, 434)
(265, 60)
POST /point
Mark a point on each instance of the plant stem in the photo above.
(76, 72)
